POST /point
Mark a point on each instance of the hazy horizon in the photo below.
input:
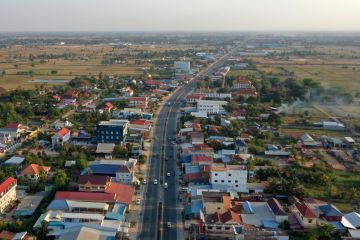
(180, 16)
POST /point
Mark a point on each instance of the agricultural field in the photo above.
(20, 65)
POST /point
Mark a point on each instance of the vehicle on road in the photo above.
(155, 181)
(168, 174)
(168, 224)
(166, 159)
(165, 185)
(144, 181)
(138, 201)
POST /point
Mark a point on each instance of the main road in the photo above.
(161, 150)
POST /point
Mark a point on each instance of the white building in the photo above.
(211, 107)
(7, 193)
(125, 175)
(182, 66)
(230, 177)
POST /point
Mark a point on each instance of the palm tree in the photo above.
(42, 231)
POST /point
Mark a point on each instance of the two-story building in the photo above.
(61, 137)
(93, 183)
(7, 193)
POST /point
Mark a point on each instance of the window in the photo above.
(216, 174)
(229, 181)
(222, 181)
(236, 185)
(227, 228)
(229, 174)
(310, 220)
(216, 181)
(210, 227)
(218, 228)
(236, 181)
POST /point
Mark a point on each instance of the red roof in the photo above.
(305, 210)
(108, 105)
(34, 169)
(123, 192)
(6, 183)
(153, 83)
(86, 196)
(13, 125)
(247, 91)
(94, 179)
(140, 122)
(63, 132)
(192, 177)
(226, 217)
(197, 159)
(6, 235)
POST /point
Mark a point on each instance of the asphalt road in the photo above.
(165, 128)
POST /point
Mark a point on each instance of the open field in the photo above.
(22, 64)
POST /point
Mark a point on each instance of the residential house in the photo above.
(277, 210)
(6, 235)
(93, 183)
(197, 137)
(7, 193)
(305, 215)
(138, 102)
(34, 171)
(121, 173)
(61, 137)
(329, 212)
(108, 106)
(12, 132)
(140, 125)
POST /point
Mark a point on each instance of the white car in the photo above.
(155, 181)
(168, 174)
(168, 224)
(138, 201)
(165, 185)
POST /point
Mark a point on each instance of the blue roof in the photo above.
(248, 208)
(194, 208)
(58, 205)
(118, 212)
(189, 168)
(220, 138)
(240, 142)
(225, 159)
(104, 169)
(269, 223)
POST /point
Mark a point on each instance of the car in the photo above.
(166, 159)
(168, 224)
(155, 181)
(138, 201)
(144, 181)
(168, 174)
(165, 185)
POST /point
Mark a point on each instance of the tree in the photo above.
(42, 231)
(231, 106)
(53, 72)
(120, 151)
(82, 162)
(61, 179)
(142, 159)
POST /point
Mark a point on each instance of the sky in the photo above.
(179, 15)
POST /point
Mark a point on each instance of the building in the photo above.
(61, 137)
(182, 66)
(138, 102)
(277, 210)
(121, 173)
(12, 132)
(140, 125)
(93, 183)
(242, 83)
(112, 131)
(34, 171)
(197, 138)
(305, 215)
(211, 106)
(7, 193)
(230, 177)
